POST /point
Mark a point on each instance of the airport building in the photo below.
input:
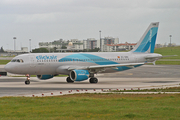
(108, 41)
(23, 50)
(90, 43)
(109, 44)
(119, 47)
(73, 44)
(14, 53)
(56, 43)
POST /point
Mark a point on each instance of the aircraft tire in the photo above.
(27, 82)
(68, 79)
(93, 80)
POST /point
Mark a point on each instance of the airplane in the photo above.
(81, 66)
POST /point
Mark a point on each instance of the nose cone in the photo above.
(7, 68)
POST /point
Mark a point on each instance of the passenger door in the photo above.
(32, 60)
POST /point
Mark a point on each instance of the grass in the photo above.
(6, 56)
(165, 51)
(170, 89)
(167, 62)
(3, 62)
(91, 106)
(169, 51)
(61, 76)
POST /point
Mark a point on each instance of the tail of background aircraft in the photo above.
(148, 40)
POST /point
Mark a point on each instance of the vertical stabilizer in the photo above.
(148, 40)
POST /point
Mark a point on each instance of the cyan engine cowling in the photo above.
(79, 75)
(45, 77)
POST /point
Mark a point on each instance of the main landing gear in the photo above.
(68, 79)
(93, 80)
(27, 82)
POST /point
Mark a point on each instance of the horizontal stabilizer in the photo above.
(169, 56)
(159, 57)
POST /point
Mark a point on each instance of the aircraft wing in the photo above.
(105, 66)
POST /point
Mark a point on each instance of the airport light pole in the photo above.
(14, 44)
(29, 45)
(7, 46)
(170, 41)
(100, 39)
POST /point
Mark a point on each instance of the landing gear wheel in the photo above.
(68, 79)
(93, 80)
(27, 82)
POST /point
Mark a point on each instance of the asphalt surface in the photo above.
(147, 76)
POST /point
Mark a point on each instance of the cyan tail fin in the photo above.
(148, 40)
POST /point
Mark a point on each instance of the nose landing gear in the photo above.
(27, 82)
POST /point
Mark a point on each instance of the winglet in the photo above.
(148, 40)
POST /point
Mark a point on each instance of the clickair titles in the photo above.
(45, 57)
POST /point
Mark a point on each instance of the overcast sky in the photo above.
(49, 20)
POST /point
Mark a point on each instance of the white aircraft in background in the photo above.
(81, 66)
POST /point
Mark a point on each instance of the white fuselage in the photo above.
(58, 63)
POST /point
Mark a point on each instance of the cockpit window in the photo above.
(13, 60)
(21, 61)
(17, 60)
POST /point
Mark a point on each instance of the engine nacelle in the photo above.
(45, 77)
(79, 75)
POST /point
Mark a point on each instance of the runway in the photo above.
(147, 76)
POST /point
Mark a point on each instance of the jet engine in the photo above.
(45, 77)
(79, 75)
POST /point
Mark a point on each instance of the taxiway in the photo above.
(147, 76)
